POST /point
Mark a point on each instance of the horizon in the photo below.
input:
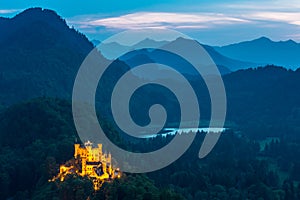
(12, 15)
(158, 40)
(219, 23)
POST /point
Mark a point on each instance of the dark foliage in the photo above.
(40, 56)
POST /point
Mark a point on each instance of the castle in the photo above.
(91, 162)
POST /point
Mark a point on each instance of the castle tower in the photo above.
(83, 166)
(88, 145)
(109, 164)
(77, 150)
(104, 167)
(100, 150)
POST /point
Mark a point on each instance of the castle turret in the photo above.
(100, 150)
(77, 150)
(83, 166)
(109, 164)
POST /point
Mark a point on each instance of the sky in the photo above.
(218, 22)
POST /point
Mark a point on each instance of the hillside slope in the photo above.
(40, 56)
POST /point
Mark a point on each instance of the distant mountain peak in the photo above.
(290, 41)
(182, 39)
(263, 38)
(149, 43)
(149, 40)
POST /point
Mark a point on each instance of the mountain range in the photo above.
(40, 56)
(265, 51)
(259, 52)
(113, 49)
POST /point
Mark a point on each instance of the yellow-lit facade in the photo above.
(90, 161)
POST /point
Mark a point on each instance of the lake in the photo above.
(172, 131)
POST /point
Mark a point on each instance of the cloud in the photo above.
(262, 5)
(252, 18)
(161, 20)
(172, 20)
(271, 11)
(8, 11)
(291, 18)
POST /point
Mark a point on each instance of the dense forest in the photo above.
(38, 135)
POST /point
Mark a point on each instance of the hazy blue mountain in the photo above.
(95, 42)
(265, 51)
(114, 50)
(225, 64)
(44, 62)
(149, 43)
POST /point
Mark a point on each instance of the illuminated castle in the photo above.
(91, 162)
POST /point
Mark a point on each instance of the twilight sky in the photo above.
(217, 22)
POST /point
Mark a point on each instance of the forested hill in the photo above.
(40, 56)
(39, 135)
(36, 137)
(264, 98)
